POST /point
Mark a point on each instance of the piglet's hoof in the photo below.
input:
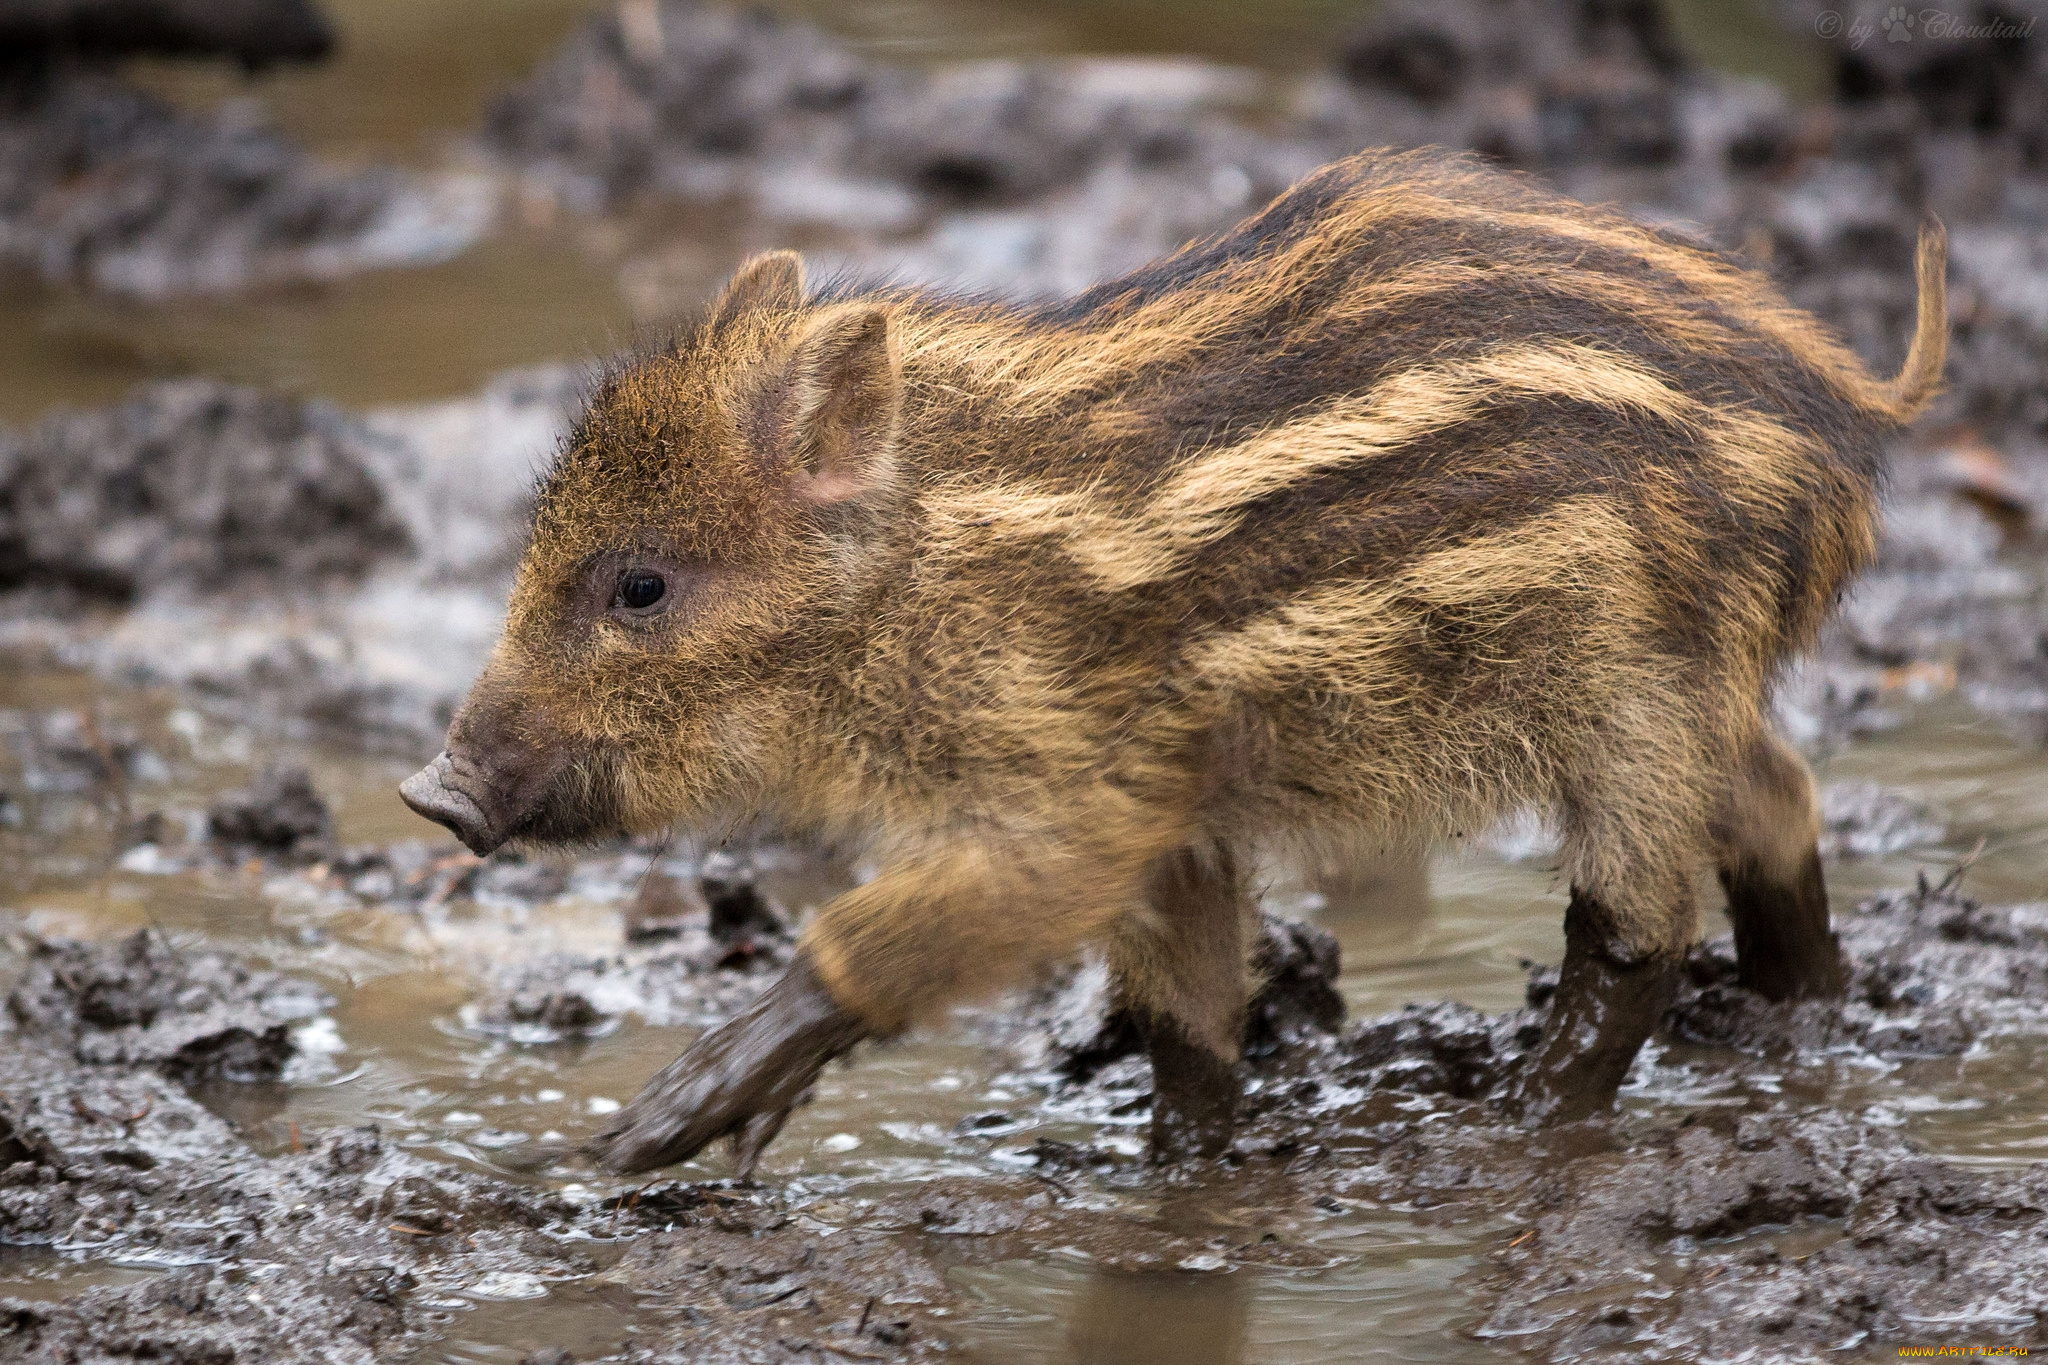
(740, 1080)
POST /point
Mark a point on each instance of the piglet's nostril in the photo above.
(431, 793)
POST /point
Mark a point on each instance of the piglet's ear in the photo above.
(773, 280)
(842, 394)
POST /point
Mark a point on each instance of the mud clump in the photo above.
(778, 1291)
(193, 1015)
(1074, 1029)
(1027, 177)
(663, 907)
(1539, 85)
(682, 99)
(1931, 972)
(725, 899)
(738, 915)
(697, 950)
(1787, 1236)
(303, 569)
(280, 814)
(108, 187)
(1440, 1049)
(194, 485)
(1296, 966)
(685, 978)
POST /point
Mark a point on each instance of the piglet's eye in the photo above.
(640, 589)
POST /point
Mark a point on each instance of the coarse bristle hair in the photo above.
(1421, 496)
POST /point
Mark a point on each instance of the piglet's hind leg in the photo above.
(1766, 845)
(1180, 971)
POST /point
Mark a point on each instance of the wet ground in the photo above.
(295, 1077)
(272, 982)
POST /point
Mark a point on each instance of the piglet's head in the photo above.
(694, 550)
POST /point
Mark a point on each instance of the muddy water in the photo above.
(399, 1044)
(398, 1048)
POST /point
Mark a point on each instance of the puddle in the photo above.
(1399, 1302)
(40, 1274)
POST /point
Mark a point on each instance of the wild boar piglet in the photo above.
(1421, 497)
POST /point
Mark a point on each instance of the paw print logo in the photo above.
(1898, 25)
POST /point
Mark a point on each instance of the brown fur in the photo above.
(1421, 497)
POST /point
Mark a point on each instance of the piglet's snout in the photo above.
(438, 792)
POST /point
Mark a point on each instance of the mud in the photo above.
(194, 485)
(1761, 1226)
(1028, 177)
(289, 563)
(1737, 1175)
(688, 99)
(349, 1249)
(191, 1014)
(352, 1249)
(280, 813)
(334, 1253)
(107, 187)
(255, 33)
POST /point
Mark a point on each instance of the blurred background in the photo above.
(297, 295)
(448, 89)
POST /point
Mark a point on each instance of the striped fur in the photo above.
(1421, 497)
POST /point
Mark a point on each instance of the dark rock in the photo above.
(280, 813)
(193, 485)
(255, 33)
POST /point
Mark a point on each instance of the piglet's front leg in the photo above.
(875, 960)
(741, 1079)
